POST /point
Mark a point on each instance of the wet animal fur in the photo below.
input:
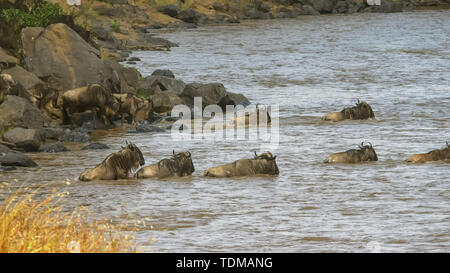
(117, 165)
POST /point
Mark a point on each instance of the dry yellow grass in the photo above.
(29, 225)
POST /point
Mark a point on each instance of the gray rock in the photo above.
(211, 93)
(74, 136)
(95, 146)
(170, 10)
(233, 99)
(16, 159)
(55, 147)
(324, 6)
(19, 112)
(145, 127)
(164, 72)
(309, 10)
(27, 139)
(155, 83)
(192, 16)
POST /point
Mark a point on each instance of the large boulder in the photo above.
(163, 83)
(211, 93)
(19, 112)
(127, 78)
(164, 101)
(66, 61)
(28, 140)
(233, 99)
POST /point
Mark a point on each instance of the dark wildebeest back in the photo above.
(362, 110)
(180, 164)
(90, 97)
(435, 155)
(260, 164)
(363, 154)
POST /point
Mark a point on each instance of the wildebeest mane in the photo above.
(175, 164)
(362, 110)
(124, 160)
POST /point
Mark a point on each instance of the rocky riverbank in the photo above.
(57, 87)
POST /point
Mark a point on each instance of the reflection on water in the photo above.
(399, 63)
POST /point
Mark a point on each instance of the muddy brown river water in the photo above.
(399, 63)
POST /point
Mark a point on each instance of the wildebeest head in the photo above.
(184, 163)
(362, 110)
(135, 154)
(270, 165)
(367, 152)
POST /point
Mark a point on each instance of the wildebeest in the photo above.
(362, 110)
(90, 97)
(136, 108)
(180, 164)
(435, 155)
(257, 114)
(364, 153)
(117, 165)
(261, 164)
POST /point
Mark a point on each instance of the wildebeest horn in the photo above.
(370, 145)
(173, 152)
(188, 153)
(255, 153)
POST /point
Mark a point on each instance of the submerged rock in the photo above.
(164, 72)
(55, 147)
(145, 127)
(16, 159)
(95, 146)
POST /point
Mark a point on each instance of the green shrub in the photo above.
(40, 16)
(115, 26)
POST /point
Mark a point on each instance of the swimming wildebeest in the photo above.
(257, 114)
(135, 108)
(364, 153)
(435, 155)
(260, 164)
(180, 164)
(362, 110)
(90, 97)
(117, 165)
